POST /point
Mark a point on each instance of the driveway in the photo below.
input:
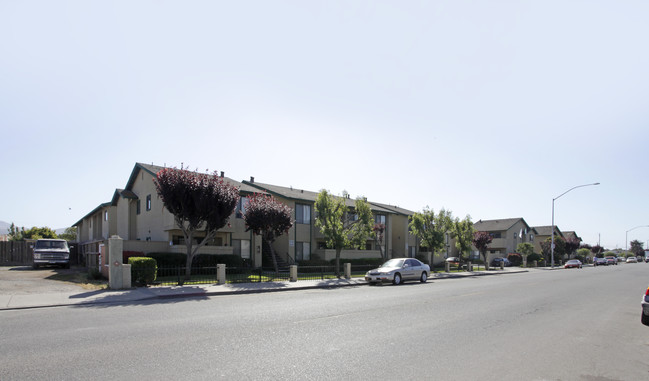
(23, 280)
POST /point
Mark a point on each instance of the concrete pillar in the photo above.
(348, 270)
(502, 265)
(220, 274)
(115, 256)
(447, 266)
(293, 273)
(126, 276)
(469, 267)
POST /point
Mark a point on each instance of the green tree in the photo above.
(38, 233)
(70, 234)
(269, 218)
(199, 203)
(462, 231)
(582, 254)
(16, 234)
(431, 228)
(343, 227)
(559, 248)
(637, 248)
(525, 249)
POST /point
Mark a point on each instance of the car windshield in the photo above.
(51, 245)
(572, 261)
(393, 263)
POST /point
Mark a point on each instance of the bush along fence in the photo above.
(147, 274)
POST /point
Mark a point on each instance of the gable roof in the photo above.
(308, 196)
(547, 230)
(154, 169)
(101, 206)
(497, 225)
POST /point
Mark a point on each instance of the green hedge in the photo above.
(143, 270)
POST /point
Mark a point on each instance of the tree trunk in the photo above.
(188, 263)
(272, 254)
(484, 258)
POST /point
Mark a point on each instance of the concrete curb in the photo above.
(108, 297)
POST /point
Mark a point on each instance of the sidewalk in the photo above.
(140, 294)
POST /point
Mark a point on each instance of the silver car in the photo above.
(399, 270)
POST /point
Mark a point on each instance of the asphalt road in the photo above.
(542, 325)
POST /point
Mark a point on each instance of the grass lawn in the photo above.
(82, 279)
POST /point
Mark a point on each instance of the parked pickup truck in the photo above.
(51, 252)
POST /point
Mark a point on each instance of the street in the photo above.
(542, 325)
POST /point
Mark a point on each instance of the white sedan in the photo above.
(398, 270)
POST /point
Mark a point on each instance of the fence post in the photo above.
(348, 270)
(502, 265)
(220, 274)
(293, 273)
(469, 266)
(447, 266)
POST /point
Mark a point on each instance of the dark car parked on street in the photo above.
(497, 261)
(600, 262)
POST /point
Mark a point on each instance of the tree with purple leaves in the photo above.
(200, 203)
(269, 218)
(480, 241)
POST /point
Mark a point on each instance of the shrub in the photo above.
(166, 260)
(515, 258)
(211, 260)
(534, 257)
(143, 270)
(422, 258)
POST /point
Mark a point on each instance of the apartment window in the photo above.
(379, 219)
(148, 203)
(241, 206)
(241, 248)
(105, 215)
(137, 207)
(302, 251)
(302, 214)
(495, 235)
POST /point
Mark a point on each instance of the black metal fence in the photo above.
(171, 276)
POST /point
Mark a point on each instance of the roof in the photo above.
(547, 230)
(497, 225)
(101, 206)
(154, 169)
(309, 196)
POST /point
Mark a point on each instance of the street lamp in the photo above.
(627, 235)
(552, 231)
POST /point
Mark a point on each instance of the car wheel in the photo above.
(645, 319)
(424, 277)
(397, 279)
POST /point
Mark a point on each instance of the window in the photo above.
(105, 215)
(148, 203)
(137, 207)
(302, 214)
(302, 251)
(379, 219)
(495, 235)
(241, 206)
(411, 251)
(241, 248)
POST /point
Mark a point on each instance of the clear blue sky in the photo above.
(487, 108)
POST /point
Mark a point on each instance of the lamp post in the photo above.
(552, 231)
(627, 235)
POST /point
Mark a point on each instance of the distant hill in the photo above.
(4, 227)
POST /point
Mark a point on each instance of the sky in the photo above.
(485, 108)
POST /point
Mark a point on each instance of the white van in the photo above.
(51, 252)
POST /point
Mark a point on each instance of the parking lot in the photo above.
(20, 280)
